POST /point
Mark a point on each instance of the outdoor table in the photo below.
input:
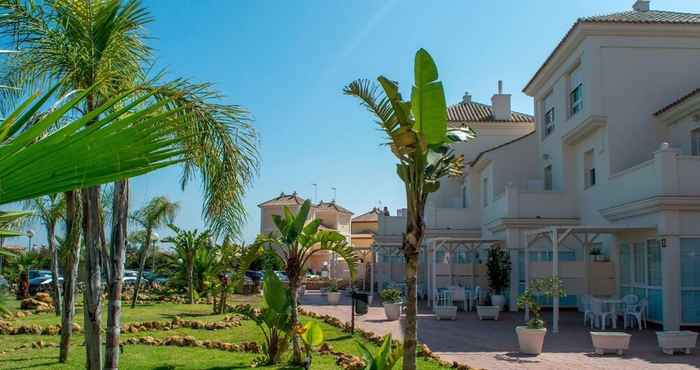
(611, 305)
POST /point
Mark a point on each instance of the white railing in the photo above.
(689, 175)
(391, 225)
(545, 204)
(453, 218)
(634, 183)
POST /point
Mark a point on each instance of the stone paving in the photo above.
(493, 345)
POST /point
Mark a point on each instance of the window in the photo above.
(548, 177)
(465, 195)
(654, 262)
(575, 91)
(548, 121)
(695, 142)
(485, 191)
(639, 263)
(589, 169)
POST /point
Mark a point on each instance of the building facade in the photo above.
(605, 193)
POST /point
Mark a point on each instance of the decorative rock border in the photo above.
(190, 341)
(423, 350)
(228, 322)
(6, 328)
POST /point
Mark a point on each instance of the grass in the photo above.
(161, 358)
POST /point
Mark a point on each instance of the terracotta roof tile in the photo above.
(334, 206)
(284, 200)
(371, 216)
(678, 101)
(478, 112)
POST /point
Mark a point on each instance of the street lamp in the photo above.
(154, 239)
(30, 235)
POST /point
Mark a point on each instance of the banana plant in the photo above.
(312, 337)
(385, 358)
(420, 139)
(274, 319)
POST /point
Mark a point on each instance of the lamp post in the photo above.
(30, 235)
(154, 238)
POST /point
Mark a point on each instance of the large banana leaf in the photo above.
(126, 136)
(428, 100)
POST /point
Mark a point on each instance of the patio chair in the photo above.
(475, 298)
(445, 309)
(458, 297)
(600, 315)
(629, 302)
(638, 313)
(588, 315)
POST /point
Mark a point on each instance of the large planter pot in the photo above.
(530, 340)
(392, 311)
(670, 341)
(487, 312)
(498, 300)
(446, 312)
(607, 341)
(333, 297)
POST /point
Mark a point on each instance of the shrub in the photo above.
(548, 287)
(498, 265)
(390, 295)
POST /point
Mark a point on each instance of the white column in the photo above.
(432, 295)
(671, 283)
(555, 274)
(513, 247)
(429, 267)
(449, 263)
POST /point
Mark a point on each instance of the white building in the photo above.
(614, 165)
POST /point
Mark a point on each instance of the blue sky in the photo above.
(287, 61)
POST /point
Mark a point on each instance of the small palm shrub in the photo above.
(390, 295)
(547, 287)
(385, 358)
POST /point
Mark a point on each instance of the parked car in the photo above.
(154, 278)
(42, 283)
(37, 273)
(256, 276)
(282, 276)
(129, 277)
(4, 284)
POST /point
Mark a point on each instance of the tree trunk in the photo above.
(142, 266)
(57, 296)
(190, 279)
(296, 347)
(120, 214)
(71, 264)
(411, 248)
(92, 297)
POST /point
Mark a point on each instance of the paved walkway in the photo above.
(493, 345)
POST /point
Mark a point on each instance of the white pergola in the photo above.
(451, 244)
(394, 247)
(585, 235)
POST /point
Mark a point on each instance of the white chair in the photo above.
(629, 301)
(458, 296)
(638, 313)
(601, 314)
(588, 315)
(445, 309)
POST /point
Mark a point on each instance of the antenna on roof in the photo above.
(315, 192)
(334, 193)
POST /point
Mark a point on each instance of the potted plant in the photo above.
(391, 300)
(332, 293)
(531, 336)
(596, 253)
(498, 269)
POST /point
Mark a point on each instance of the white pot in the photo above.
(333, 297)
(530, 340)
(498, 300)
(610, 341)
(670, 341)
(392, 311)
(487, 312)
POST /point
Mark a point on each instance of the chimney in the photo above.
(641, 6)
(500, 104)
(466, 99)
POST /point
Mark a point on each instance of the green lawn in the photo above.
(167, 357)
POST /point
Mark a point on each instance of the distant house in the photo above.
(333, 217)
(605, 194)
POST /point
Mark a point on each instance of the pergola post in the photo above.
(555, 275)
(371, 275)
(527, 273)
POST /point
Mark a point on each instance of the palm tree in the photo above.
(86, 41)
(295, 242)
(187, 243)
(50, 210)
(159, 212)
(419, 138)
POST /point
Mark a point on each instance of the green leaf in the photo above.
(428, 100)
(275, 294)
(313, 334)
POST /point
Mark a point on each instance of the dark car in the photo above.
(256, 276)
(42, 283)
(4, 284)
(37, 273)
